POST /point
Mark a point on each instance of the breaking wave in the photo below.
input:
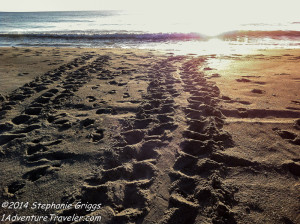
(274, 34)
(108, 36)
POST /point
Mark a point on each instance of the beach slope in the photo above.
(150, 137)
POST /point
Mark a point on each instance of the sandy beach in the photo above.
(153, 137)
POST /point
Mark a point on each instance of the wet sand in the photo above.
(153, 137)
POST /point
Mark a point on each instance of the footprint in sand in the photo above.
(21, 119)
(297, 124)
(96, 136)
(282, 74)
(260, 83)
(296, 102)
(2, 98)
(215, 75)
(126, 95)
(285, 134)
(13, 188)
(91, 98)
(243, 80)
(112, 92)
(293, 167)
(39, 172)
(5, 127)
(258, 91)
(290, 136)
(23, 74)
(87, 122)
(6, 138)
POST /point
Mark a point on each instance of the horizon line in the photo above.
(90, 10)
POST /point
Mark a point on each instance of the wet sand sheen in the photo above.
(144, 134)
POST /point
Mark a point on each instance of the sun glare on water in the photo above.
(215, 17)
(189, 26)
(180, 22)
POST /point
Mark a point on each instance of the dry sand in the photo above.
(144, 134)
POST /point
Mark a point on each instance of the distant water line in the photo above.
(129, 30)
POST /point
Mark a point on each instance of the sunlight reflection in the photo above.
(211, 46)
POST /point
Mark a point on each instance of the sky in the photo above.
(204, 9)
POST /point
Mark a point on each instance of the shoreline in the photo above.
(144, 133)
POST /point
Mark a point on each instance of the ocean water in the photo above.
(127, 29)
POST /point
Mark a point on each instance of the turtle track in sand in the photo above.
(163, 166)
